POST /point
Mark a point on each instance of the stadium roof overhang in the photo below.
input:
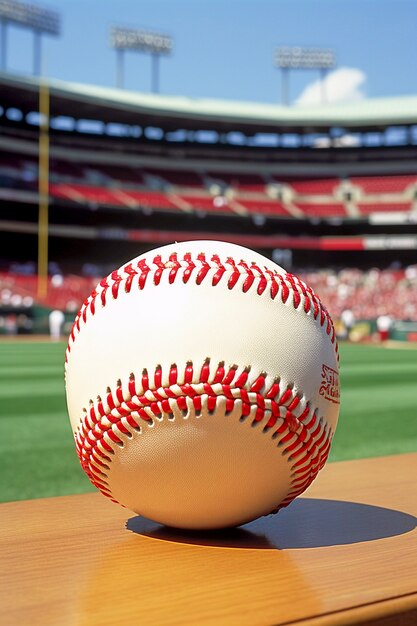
(178, 112)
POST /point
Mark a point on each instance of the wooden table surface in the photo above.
(344, 554)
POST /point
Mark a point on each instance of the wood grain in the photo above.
(344, 554)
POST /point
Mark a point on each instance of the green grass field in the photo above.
(37, 455)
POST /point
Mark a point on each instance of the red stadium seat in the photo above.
(151, 199)
(268, 208)
(322, 186)
(383, 184)
(212, 204)
(84, 194)
(114, 197)
(331, 209)
(383, 207)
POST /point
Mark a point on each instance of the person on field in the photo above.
(56, 321)
(383, 324)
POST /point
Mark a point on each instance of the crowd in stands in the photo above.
(365, 294)
(65, 293)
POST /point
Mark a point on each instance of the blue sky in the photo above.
(224, 48)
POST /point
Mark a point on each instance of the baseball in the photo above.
(202, 384)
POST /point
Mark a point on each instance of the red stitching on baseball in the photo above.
(286, 285)
(106, 424)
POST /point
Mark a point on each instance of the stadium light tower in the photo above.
(296, 58)
(38, 19)
(122, 39)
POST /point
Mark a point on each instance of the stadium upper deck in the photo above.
(172, 113)
(158, 165)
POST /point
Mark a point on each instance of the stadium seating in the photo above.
(240, 182)
(155, 188)
(112, 197)
(187, 190)
(366, 293)
(330, 209)
(383, 184)
(265, 207)
(85, 193)
(148, 199)
(67, 294)
(212, 204)
(322, 186)
(383, 207)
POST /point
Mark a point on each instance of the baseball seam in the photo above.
(136, 276)
(112, 420)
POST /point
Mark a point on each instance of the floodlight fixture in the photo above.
(31, 15)
(138, 40)
(288, 58)
(142, 40)
(295, 57)
(40, 20)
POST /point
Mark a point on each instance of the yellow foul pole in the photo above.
(43, 188)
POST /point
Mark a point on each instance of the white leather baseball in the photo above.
(202, 385)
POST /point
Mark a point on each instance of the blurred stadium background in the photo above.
(92, 176)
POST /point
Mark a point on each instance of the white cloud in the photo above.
(341, 85)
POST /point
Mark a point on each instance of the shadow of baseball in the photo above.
(306, 523)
